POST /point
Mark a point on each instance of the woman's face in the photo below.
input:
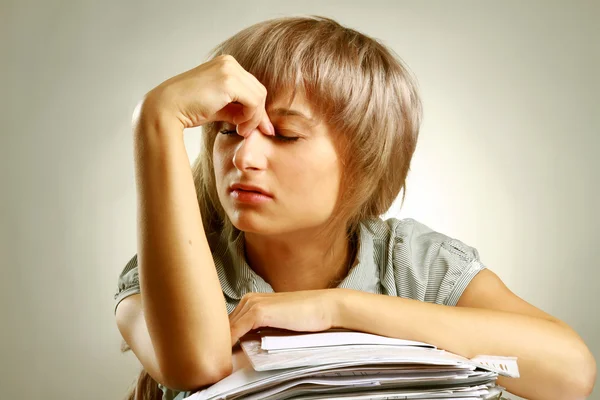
(298, 170)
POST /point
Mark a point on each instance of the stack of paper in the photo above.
(348, 365)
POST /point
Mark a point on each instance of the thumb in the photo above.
(228, 113)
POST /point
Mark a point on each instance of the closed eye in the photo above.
(277, 136)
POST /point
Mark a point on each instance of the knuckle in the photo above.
(228, 81)
(258, 312)
(225, 58)
(263, 90)
(225, 67)
(227, 62)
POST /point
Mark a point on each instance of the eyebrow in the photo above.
(288, 112)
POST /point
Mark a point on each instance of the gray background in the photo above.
(507, 160)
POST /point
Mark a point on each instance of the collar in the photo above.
(241, 279)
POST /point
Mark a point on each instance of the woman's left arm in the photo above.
(554, 362)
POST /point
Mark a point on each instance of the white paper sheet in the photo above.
(362, 367)
(332, 338)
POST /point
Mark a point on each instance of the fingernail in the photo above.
(272, 129)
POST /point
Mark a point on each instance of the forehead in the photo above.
(299, 110)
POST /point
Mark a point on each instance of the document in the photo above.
(347, 365)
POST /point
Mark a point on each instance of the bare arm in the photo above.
(553, 360)
(182, 302)
(180, 329)
(133, 328)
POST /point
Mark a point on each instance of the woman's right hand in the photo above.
(218, 90)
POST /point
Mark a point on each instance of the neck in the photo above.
(296, 261)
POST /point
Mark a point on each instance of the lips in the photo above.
(249, 188)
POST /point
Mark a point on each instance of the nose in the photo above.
(251, 152)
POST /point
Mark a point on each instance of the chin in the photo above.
(252, 222)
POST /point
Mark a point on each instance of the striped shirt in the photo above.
(396, 257)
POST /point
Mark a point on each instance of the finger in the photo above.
(252, 114)
(236, 311)
(240, 91)
(264, 124)
(252, 123)
(259, 121)
(236, 328)
(242, 120)
(248, 321)
(229, 112)
(247, 302)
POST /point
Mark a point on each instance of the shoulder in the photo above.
(419, 262)
(418, 237)
(391, 228)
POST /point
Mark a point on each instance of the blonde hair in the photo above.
(356, 85)
(144, 387)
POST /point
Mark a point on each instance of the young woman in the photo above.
(309, 128)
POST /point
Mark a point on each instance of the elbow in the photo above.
(583, 376)
(588, 374)
(199, 373)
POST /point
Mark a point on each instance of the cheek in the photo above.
(316, 176)
(221, 158)
(329, 179)
(329, 176)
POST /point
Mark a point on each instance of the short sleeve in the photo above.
(431, 266)
(128, 282)
(170, 394)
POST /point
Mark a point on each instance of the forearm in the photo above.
(554, 363)
(182, 300)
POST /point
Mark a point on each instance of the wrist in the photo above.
(151, 117)
(340, 298)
